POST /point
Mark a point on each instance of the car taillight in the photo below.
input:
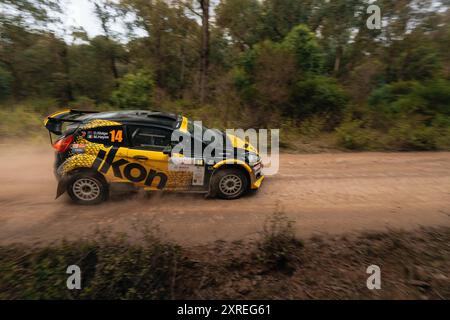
(63, 144)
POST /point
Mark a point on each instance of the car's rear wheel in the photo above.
(229, 183)
(87, 189)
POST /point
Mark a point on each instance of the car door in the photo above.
(146, 152)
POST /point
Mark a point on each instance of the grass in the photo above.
(112, 268)
(277, 265)
(24, 121)
(278, 243)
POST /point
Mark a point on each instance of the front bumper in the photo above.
(257, 183)
(257, 176)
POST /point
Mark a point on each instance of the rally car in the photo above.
(96, 150)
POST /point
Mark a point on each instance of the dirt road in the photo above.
(323, 193)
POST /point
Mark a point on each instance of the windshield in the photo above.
(196, 127)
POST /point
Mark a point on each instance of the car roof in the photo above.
(137, 117)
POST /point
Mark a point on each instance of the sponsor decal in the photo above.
(198, 176)
(98, 135)
(78, 148)
(187, 161)
(196, 166)
(133, 172)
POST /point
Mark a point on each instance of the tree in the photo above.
(338, 21)
(134, 92)
(303, 44)
(319, 95)
(201, 8)
(266, 75)
(170, 48)
(105, 12)
(5, 83)
(412, 58)
(280, 16)
(27, 52)
(243, 21)
(90, 67)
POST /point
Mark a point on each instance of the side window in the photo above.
(150, 138)
(189, 146)
(114, 135)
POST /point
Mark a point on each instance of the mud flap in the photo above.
(62, 187)
(211, 194)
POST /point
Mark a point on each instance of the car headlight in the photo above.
(253, 159)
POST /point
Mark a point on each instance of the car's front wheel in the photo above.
(87, 189)
(229, 183)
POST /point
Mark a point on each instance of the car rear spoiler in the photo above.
(54, 122)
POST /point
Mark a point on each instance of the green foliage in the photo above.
(112, 268)
(407, 115)
(426, 98)
(269, 62)
(401, 135)
(134, 92)
(320, 95)
(21, 122)
(92, 68)
(351, 135)
(5, 83)
(278, 242)
(243, 19)
(83, 103)
(303, 44)
(417, 59)
(280, 16)
(412, 135)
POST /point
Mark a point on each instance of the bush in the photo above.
(420, 62)
(21, 122)
(278, 243)
(412, 115)
(320, 96)
(135, 91)
(83, 103)
(313, 126)
(352, 136)
(5, 83)
(112, 268)
(426, 98)
(409, 135)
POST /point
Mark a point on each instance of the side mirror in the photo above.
(167, 150)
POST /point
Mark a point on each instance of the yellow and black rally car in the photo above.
(97, 150)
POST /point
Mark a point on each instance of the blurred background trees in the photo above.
(311, 67)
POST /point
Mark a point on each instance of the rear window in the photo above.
(113, 135)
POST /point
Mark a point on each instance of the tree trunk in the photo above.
(182, 72)
(68, 93)
(337, 61)
(204, 54)
(114, 70)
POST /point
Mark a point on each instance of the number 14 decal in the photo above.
(116, 136)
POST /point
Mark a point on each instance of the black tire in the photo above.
(87, 188)
(221, 183)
